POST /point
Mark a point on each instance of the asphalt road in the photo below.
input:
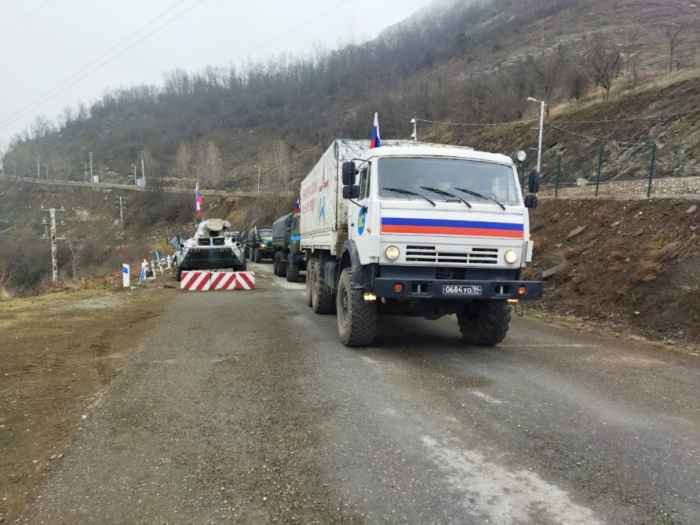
(242, 407)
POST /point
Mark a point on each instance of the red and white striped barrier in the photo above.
(217, 281)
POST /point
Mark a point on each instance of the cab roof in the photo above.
(437, 151)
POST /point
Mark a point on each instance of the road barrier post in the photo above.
(126, 275)
(600, 165)
(651, 170)
(556, 185)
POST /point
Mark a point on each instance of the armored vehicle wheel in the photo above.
(283, 266)
(241, 268)
(484, 323)
(178, 274)
(310, 283)
(324, 300)
(257, 256)
(357, 319)
(292, 269)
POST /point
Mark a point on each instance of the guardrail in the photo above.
(126, 187)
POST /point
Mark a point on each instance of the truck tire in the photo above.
(275, 263)
(484, 323)
(310, 283)
(257, 256)
(292, 269)
(324, 301)
(357, 319)
(281, 266)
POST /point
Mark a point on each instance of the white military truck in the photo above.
(416, 229)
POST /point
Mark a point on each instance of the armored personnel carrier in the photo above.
(212, 247)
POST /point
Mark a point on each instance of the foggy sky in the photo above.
(65, 35)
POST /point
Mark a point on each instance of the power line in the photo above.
(23, 19)
(476, 125)
(650, 117)
(102, 65)
(57, 86)
(598, 139)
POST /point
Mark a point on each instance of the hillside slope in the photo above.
(468, 62)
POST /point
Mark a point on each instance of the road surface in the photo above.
(242, 407)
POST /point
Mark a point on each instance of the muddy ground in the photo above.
(627, 266)
(57, 354)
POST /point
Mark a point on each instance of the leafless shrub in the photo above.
(6, 291)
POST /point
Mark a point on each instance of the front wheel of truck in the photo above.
(484, 323)
(357, 318)
(292, 269)
(258, 256)
(277, 264)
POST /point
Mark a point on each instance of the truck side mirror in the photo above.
(534, 183)
(351, 192)
(531, 202)
(349, 173)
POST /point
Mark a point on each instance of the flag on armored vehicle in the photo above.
(376, 139)
(198, 201)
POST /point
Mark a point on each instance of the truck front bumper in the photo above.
(462, 290)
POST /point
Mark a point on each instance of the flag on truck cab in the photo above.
(198, 201)
(376, 139)
(297, 209)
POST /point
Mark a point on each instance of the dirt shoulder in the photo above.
(627, 267)
(58, 352)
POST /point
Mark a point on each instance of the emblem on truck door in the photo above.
(361, 221)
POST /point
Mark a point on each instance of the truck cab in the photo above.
(259, 244)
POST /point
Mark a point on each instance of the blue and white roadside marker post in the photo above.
(126, 275)
(144, 265)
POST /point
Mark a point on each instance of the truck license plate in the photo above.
(462, 289)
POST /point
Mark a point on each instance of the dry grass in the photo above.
(647, 271)
(615, 257)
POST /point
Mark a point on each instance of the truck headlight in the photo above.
(392, 253)
(262, 245)
(511, 257)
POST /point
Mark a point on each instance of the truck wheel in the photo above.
(310, 283)
(257, 256)
(357, 319)
(275, 263)
(324, 301)
(484, 323)
(292, 269)
(282, 272)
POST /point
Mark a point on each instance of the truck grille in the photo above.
(430, 255)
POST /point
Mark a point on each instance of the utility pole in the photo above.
(543, 105)
(143, 169)
(197, 168)
(121, 204)
(38, 167)
(135, 176)
(92, 178)
(415, 130)
(54, 241)
(258, 177)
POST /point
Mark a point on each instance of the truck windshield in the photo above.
(265, 233)
(493, 181)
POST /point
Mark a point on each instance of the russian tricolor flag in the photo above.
(376, 139)
(198, 201)
(297, 208)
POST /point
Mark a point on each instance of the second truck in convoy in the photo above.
(416, 230)
(288, 259)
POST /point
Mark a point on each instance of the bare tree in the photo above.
(547, 70)
(183, 161)
(3, 151)
(5, 280)
(279, 173)
(631, 49)
(210, 164)
(75, 250)
(673, 35)
(605, 59)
